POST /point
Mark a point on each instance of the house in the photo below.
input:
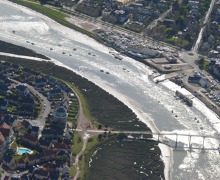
(216, 70)
(13, 148)
(54, 93)
(40, 82)
(20, 163)
(55, 146)
(65, 172)
(194, 79)
(27, 100)
(59, 165)
(68, 134)
(33, 159)
(49, 167)
(3, 104)
(13, 99)
(30, 139)
(25, 110)
(6, 132)
(22, 89)
(40, 174)
(48, 155)
(2, 144)
(44, 144)
(35, 131)
(4, 79)
(63, 153)
(52, 133)
(26, 125)
(9, 161)
(9, 120)
(60, 115)
(3, 89)
(53, 176)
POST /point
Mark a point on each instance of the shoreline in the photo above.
(119, 99)
(58, 66)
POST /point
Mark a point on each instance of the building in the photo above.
(60, 115)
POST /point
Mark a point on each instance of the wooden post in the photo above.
(176, 141)
(203, 142)
(190, 146)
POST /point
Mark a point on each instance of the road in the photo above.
(161, 18)
(205, 22)
(40, 121)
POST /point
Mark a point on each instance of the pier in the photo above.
(177, 141)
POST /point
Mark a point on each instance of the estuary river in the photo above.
(127, 80)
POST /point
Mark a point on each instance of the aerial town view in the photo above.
(109, 89)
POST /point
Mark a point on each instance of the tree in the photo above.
(169, 32)
(202, 61)
(99, 137)
(99, 126)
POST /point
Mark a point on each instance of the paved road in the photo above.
(205, 22)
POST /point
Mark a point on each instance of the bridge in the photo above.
(179, 141)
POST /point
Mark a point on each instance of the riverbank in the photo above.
(19, 50)
(99, 102)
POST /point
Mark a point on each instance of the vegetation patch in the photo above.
(77, 143)
(19, 50)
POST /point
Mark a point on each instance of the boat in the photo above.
(51, 49)
(107, 73)
(102, 70)
(74, 49)
(63, 52)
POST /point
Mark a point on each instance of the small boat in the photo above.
(70, 54)
(124, 68)
(101, 70)
(59, 44)
(89, 53)
(13, 31)
(51, 49)
(74, 49)
(27, 42)
(107, 73)
(63, 52)
(32, 43)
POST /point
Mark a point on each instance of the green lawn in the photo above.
(72, 171)
(77, 143)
